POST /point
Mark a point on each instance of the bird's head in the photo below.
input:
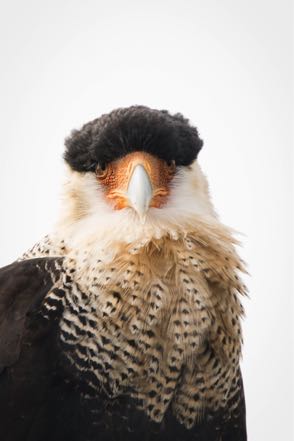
(134, 176)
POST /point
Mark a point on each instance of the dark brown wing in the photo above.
(28, 350)
(23, 286)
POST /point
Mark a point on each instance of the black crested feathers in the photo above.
(124, 130)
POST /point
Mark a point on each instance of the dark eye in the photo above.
(171, 165)
(101, 170)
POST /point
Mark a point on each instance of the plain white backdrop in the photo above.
(225, 64)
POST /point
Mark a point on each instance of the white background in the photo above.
(225, 64)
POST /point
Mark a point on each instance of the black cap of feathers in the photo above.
(135, 128)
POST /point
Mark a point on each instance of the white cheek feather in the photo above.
(89, 221)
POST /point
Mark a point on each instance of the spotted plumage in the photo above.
(141, 323)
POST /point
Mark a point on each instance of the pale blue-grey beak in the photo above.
(140, 191)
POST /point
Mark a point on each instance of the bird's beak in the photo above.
(140, 191)
(138, 180)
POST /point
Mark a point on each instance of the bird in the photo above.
(124, 322)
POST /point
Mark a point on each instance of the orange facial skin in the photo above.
(115, 178)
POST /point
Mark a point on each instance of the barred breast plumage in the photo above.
(160, 324)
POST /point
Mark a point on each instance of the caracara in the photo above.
(124, 322)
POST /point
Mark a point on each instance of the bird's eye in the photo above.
(101, 170)
(171, 165)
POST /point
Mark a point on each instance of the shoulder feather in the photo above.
(23, 286)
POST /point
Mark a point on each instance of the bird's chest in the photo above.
(139, 326)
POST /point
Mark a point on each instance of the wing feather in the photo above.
(23, 286)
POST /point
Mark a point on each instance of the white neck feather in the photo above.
(89, 221)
